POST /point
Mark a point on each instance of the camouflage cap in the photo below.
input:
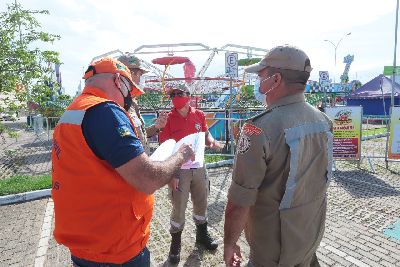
(133, 62)
(180, 87)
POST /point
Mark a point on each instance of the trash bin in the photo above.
(38, 124)
(29, 120)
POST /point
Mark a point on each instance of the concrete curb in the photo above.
(22, 197)
(33, 195)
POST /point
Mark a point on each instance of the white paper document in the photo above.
(169, 147)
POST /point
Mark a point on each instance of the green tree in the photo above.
(152, 100)
(25, 69)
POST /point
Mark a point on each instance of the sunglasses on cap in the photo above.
(172, 95)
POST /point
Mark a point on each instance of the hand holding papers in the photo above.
(166, 149)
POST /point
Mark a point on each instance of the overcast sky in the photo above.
(89, 28)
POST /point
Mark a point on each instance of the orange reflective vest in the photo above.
(98, 215)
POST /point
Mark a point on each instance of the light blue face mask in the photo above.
(257, 95)
(256, 90)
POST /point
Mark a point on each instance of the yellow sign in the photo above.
(346, 132)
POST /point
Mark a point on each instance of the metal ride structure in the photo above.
(207, 91)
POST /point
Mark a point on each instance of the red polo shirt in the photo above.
(178, 127)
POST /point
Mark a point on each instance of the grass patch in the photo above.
(215, 158)
(24, 183)
(375, 131)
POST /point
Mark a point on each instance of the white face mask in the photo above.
(258, 95)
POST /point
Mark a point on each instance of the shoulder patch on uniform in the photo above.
(244, 141)
(243, 144)
(124, 131)
(250, 129)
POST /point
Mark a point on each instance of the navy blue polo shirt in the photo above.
(109, 134)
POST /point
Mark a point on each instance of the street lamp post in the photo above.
(394, 55)
(336, 45)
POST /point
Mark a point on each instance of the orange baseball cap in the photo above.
(110, 65)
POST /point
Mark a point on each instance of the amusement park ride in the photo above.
(344, 78)
(162, 61)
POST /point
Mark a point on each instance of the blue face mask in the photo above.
(260, 96)
(257, 95)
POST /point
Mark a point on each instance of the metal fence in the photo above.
(224, 125)
(239, 99)
(375, 134)
(42, 126)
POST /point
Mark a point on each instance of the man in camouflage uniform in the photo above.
(282, 169)
(137, 70)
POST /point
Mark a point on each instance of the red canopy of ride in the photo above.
(173, 60)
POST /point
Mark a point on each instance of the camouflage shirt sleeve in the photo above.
(250, 165)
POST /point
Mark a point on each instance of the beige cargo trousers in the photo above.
(195, 182)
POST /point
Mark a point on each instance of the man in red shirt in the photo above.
(182, 121)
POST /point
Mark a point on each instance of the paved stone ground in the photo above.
(361, 205)
(20, 232)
